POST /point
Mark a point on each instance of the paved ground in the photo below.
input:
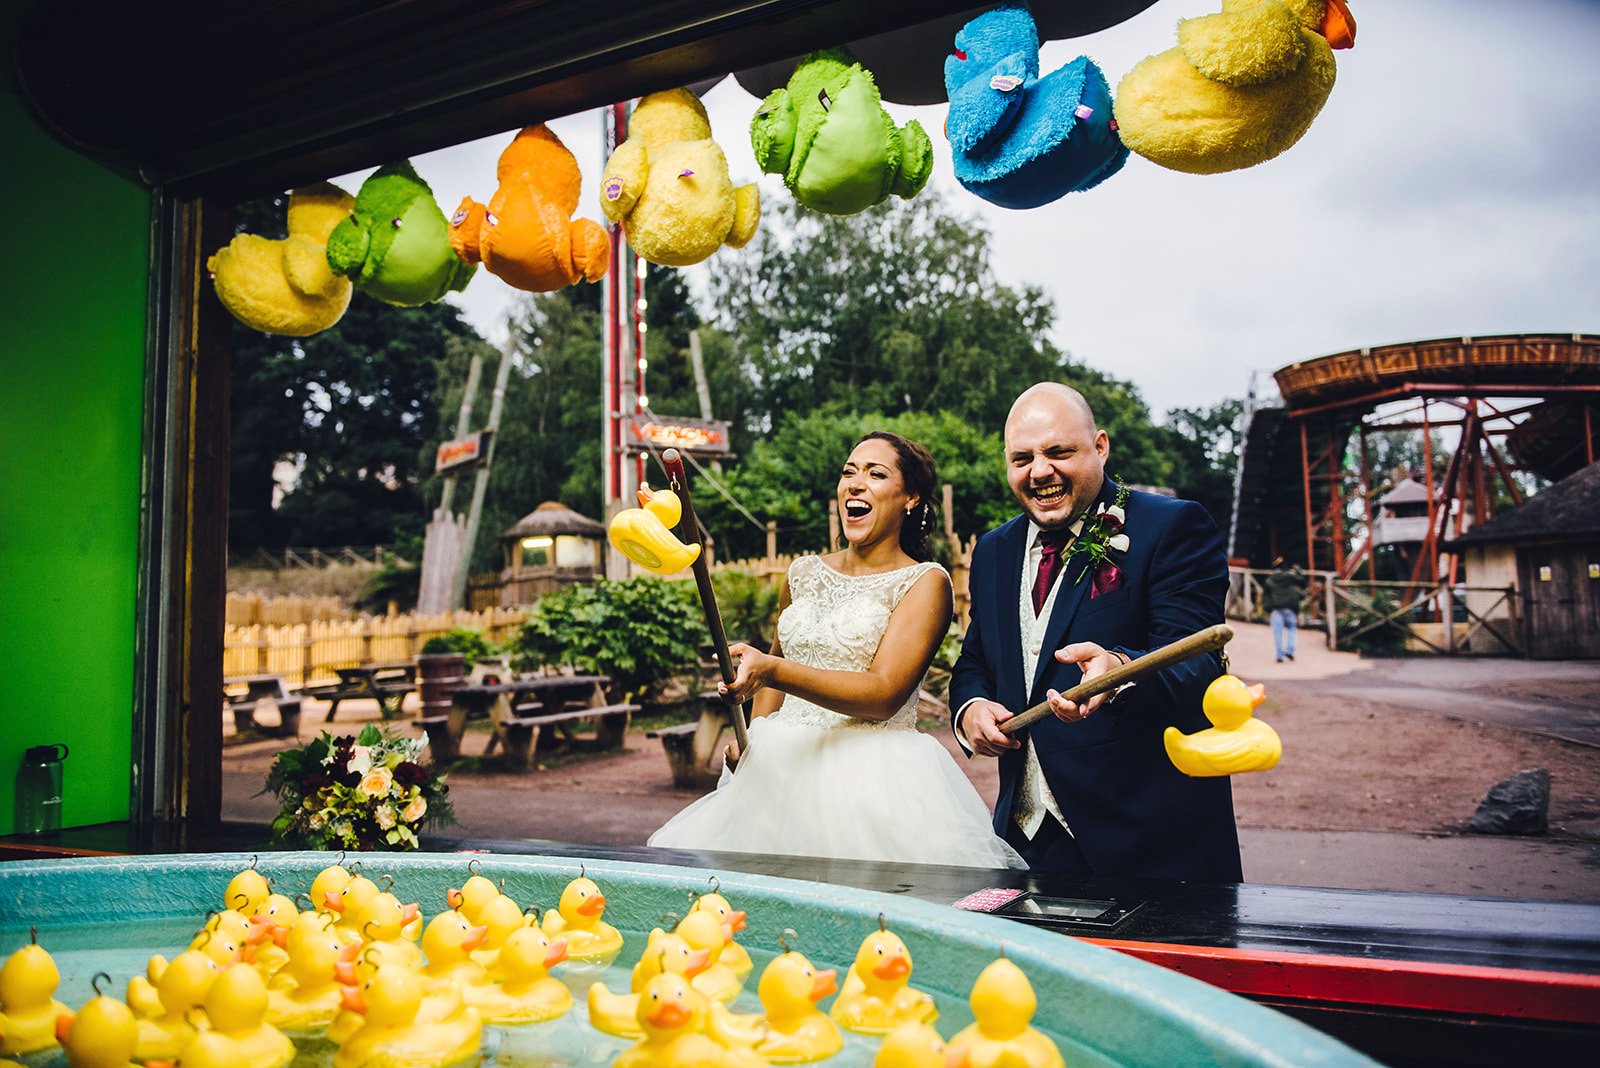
(1384, 762)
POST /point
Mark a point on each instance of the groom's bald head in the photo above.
(1055, 455)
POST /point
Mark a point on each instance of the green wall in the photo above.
(72, 360)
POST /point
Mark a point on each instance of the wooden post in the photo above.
(772, 542)
(1449, 616)
(1331, 610)
(833, 523)
(949, 504)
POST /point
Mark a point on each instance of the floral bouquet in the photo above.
(367, 792)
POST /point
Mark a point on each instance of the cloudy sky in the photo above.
(1450, 186)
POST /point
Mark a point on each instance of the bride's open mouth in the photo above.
(856, 508)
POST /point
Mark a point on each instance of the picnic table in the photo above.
(386, 684)
(692, 747)
(520, 709)
(248, 694)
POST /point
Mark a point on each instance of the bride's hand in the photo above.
(752, 674)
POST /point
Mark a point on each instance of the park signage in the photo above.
(463, 452)
(701, 437)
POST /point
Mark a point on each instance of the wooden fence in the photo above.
(244, 610)
(309, 652)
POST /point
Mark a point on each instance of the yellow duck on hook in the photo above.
(644, 534)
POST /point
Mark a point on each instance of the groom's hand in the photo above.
(1093, 661)
(980, 721)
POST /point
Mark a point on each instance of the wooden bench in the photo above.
(519, 735)
(386, 684)
(692, 748)
(263, 691)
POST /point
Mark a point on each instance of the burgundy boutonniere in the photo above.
(1102, 535)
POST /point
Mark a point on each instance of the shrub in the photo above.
(639, 632)
(468, 641)
(392, 582)
(749, 605)
(1386, 639)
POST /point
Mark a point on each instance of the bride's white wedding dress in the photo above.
(819, 784)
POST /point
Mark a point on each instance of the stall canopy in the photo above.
(240, 99)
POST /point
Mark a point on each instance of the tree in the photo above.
(1204, 443)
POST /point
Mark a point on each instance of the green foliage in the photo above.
(748, 603)
(468, 641)
(1386, 639)
(639, 632)
(1204, 445)
(391, 582)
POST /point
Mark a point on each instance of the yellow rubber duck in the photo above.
(180, 987)
(472, 896)
(448, 942)
(246, 892)
(269, 933)
(1003, 1002)
(875, 999)
(329, 880)
(102, 1034)
(579, 917)
(1236, 742)
(671, 1019)
(392, 1034)
(207, 1049)
(382, 921)
(500, 917)
(306, 992)
(668, 185)
(285, 286)
(703, 932)
(665, 953)
(28, 1008)
(792, 1030)
(917, 1045)
(644, 534)
(524, 990)
(1241, 86)
(733, 954)
(350, 902)
(236, 1006)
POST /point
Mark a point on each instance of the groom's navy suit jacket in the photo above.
(1131, 812)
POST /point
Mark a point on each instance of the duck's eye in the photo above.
(822, 98)
(880, 951)
(959, 55)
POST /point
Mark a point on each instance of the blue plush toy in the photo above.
(1020, 140)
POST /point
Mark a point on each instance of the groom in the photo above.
(1090, 791)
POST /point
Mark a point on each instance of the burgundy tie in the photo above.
(1051, 542)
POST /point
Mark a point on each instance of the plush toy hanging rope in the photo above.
(642, 535)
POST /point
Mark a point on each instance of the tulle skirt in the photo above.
(852, 793)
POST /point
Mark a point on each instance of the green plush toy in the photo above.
(829, 136)
(395, 245)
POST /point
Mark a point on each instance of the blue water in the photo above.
(122, 951)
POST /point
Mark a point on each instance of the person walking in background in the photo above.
(1283, 590)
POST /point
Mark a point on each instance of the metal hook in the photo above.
(716, 884)
(33, 933)
(581, 873)
(670, 920)
(470, 869)
(205, 933)
(311, 906)
(785, 937)
(388, 882)
(369, 923)
(95, 982)
(245, 896)
(883, 924)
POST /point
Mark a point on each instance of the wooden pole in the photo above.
(1208, 640)
(673, 462)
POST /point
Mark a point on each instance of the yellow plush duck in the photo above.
(792, 1030)
(285, 286)
(875, 999)
(704, 933)
(236, 1006)
(28, 1008)
(103, 1034)
(644, 534)
(1002, 1002)
(392, 1034)
(305, 993)
(524, 990)
(733, 954)
(668, 185)
(579, 917)
(917, 1045)
(664, 953)
(1236, 742)
(1242, 85)
(180, 987)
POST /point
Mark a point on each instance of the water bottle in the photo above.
(39, 789)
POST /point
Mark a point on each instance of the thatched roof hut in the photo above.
(550, 547)
(552, 518)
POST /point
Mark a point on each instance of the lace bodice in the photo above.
(835, 621)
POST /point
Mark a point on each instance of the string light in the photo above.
(640, 268)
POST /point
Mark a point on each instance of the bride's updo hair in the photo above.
(922, 482)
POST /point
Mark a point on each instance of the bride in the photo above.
(836, 767)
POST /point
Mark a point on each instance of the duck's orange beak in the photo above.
(954, 1057)
(453, 898)
(410, 912)
(333, 901)
(344, 969)
(895, 967)
(1258, 693)
(699, 961)
(594, 906)
(476, 936)
(354, 999)
(1338, 25)
(645, 495)
(736, 919)
(555, 954)
(822, 984)
(63, 1026)
(669, 1015)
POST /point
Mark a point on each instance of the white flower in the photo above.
(317, 821)
(1118, 542)
(1115, 512)
(415, 810)
(384, 816)
(377, 782)
(360, 760)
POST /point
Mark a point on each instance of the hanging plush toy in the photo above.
(668, 185)
(836, 147)
(526, 235)
(1020, 140)
(395, 245)
(285, 287)
(1242, 86)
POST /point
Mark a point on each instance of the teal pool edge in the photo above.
(1129, 1011)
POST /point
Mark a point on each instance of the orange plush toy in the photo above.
(527, 235)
